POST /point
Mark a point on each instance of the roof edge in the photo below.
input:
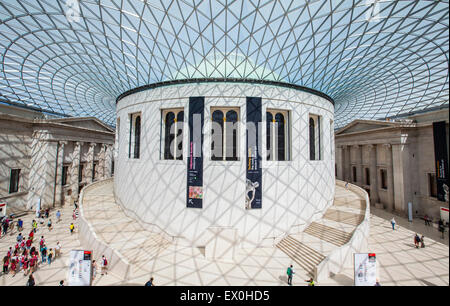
(225, 80)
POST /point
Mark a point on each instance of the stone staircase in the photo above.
(328, 233)
(335, 229)
(306, 257)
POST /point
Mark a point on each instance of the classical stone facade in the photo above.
(44, 157)
(393, 161)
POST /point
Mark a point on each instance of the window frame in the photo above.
(14, 186)
(234, 150)
(432, 184)
(272, 152)
(318, 156)
(164, 112)
(132, 139)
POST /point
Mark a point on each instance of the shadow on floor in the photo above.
(342, 279)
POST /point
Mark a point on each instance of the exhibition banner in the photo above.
(195, 153)
(80, 269)
(441, 160)
(253, 195)
(365, 268)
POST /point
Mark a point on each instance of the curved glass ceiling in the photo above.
(374, 58)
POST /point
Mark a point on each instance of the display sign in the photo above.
(441, 160)
(253, 193)
(365, 267)
(80, 269)
(194, 195)
(2, 209)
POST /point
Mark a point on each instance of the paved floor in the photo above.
(399, 263)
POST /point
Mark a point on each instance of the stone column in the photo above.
(101, 162)
(359, 167)
(374, 198)
(90, 162)
(347, 162)
(59, 168)
(390, 177)
(401, 182)
(108, 160)
(339, 163)
(74, 170)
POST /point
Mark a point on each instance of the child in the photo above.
(71, 228)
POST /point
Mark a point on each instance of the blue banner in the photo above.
(253, 192)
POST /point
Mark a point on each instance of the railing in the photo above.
(89, 240)
(343, 256)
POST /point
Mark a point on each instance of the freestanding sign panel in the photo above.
(80, 269)
(365, 266)
(253, 196)
(441, 160)
(194, 195)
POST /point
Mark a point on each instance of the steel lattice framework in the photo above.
(374, 58)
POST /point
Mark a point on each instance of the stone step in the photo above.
(329, 234)
(303, 255)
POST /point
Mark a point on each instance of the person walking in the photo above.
(50, 256)
(104, 265)
(427, 221)
(290, 273)
(49, 224)
(72, 227)
(34, 226)
(20, 224)
(44, 253)
(393, 224)
(58, 216)
(5, 264)
(416, 240)
(422, 242)
(310, 282)
(441, 228)
(149, 283)
(31, 281)
(94, 269)
(57, 250)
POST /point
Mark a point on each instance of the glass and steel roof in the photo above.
(374, 58)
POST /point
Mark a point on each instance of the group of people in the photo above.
(8, 224)
(25, 257)
(419, 241)
(290, 273)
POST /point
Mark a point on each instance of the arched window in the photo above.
(315, 137)
(179, 136)
(225, 133)
(277, 135)
(280, 136)
(137, 136)
(269, 128)
(312, 139)
(169, 122)
(231, 135)
(217, 135)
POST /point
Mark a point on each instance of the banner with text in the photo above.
(253, 192)
(195, 157)
(441, 160)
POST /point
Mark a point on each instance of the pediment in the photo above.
(87, 123)
(362, 126)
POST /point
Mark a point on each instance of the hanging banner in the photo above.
(195, 153)
(253, 194)
(80, 269)
(365, 267)
(441, 160)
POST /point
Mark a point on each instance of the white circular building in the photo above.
(243, 159)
